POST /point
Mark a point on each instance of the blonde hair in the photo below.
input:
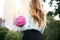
(36, 11)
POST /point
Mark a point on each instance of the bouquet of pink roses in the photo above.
(20, 21)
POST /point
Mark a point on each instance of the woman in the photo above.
(32, 21)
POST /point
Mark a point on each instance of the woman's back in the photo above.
(34, 21)
(30, 24)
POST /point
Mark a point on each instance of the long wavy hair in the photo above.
(36, 11)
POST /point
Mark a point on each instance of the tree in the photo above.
(57, 10)
(53, 31)
(3, 32)
(50, 13)
(13, 36)
(50, 16)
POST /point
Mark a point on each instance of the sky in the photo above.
(46, 7)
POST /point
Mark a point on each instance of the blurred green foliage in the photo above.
(3, 32)
(52, 32)
(6, 34)
(13, 36)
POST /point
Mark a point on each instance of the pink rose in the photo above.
(20, 21)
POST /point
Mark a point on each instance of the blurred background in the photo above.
(9, 9)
